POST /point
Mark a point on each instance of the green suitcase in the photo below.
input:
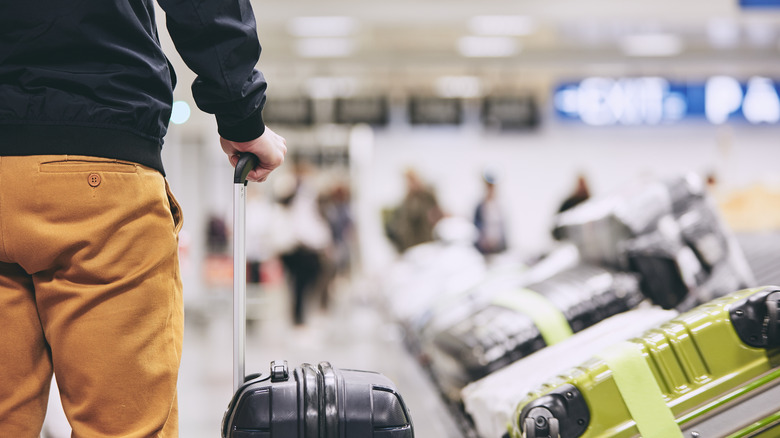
(711, 372)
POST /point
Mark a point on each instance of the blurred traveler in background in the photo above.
(489, 220)
(580, 194)
(336, 207)
(712, 180)
(216, 235)
(90, 287)
(412, 222)
(301, 236)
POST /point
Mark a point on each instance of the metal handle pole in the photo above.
(245, 164)
(239, 284)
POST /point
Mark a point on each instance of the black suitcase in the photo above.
(309, 402)
(520, 321)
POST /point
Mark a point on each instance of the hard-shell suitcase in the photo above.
(711, 372)
(490, 401)
(523, 320)
(309, 401)
(509, 274)
(427, 274)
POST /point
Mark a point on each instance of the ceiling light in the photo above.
(655, 44)
(496, 47)
(322, 26)
(760, 34)
(325, 47)
(723, 33)
(501, 25)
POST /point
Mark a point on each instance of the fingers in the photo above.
(257, 177)
(258, 174)
(270, 148)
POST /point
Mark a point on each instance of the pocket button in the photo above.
(94, 179)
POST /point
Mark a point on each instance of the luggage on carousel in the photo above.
(450, 310)
(519, 321)
(490, 401)
(430, 272)
(669, 232)
(711, 372)
(309, 401)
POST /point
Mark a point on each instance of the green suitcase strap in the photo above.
(640, 391)
(550, 321)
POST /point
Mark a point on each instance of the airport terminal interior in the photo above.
(478, 196)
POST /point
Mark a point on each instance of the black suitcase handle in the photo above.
(246, 162)
(756, 318)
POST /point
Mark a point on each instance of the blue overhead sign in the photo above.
(600, 101)
(759, 3)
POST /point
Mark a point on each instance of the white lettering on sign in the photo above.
(722, 97)
(761, 102)
(630, 101)
(599, 101)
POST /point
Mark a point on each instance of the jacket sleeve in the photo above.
(217, 39)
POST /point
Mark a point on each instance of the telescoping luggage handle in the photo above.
(246, 163)
(317, 401)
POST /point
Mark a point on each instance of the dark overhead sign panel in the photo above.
(371, 110)
(510, 112)
(294, 111)
(435, 111)
(600, 101)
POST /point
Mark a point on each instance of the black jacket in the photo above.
(88, 77)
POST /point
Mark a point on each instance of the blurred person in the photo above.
(336, 208)
(711, 180)
(581, 194)
(216, 235)
(90, 287)
(300, 236)
(489, 220)
(412, 222)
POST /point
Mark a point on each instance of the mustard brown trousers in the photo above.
(90, 290)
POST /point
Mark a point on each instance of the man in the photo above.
(489, 220)
(89, 280)
(413, 221)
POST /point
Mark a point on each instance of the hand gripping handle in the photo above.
(246, 162)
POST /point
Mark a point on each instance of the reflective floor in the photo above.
(351, 333)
